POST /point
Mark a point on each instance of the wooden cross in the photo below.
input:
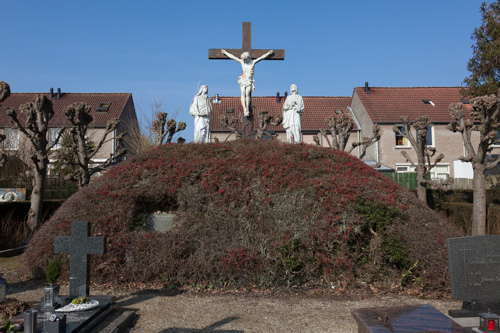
(79, 245)
(246, 46)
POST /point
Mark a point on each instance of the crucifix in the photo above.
(79, 245)
(247, 65)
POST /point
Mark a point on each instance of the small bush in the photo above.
(53, 270)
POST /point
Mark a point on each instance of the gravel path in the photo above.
(192, 312)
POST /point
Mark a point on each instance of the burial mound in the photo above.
(253, 213)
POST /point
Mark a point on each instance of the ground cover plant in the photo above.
(254, 213)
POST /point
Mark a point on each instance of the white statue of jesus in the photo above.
(246, 80)
(200, 109)
(292, 111)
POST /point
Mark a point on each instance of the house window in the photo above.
(429, 139)
(406, 167)
(53, 132)
(440, 172)
(401, 141)
(103, 107)
(496, 141)
(11, 141)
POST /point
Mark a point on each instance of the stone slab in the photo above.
(407, 318)
(77, 322)
(474, 263)
(160, 221)
(121, 323)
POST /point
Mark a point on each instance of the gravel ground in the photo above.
(190, 312)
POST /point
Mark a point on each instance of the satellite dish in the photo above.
(10, 196)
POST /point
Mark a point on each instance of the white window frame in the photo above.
(433, 137)
(11, 141)
(497, 138)
(53, 132)
(396, 134)
(434, 171)
(404, 168)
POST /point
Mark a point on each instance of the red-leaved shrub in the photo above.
(254, 213)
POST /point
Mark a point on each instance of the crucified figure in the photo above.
(246, 79)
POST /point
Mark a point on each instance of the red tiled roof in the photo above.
(388, 105)
(317, 109)
(118, 102)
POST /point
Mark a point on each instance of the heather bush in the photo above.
(253, 213)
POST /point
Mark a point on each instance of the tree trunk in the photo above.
(36, 208)
(479, 201)
(421, 189)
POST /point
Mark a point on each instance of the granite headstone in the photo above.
(79, 245)
(474, 263)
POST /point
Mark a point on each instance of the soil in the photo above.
(201, 310)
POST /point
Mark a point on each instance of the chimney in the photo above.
(286, 94)
(367, 88)
(51, 93)
(58, 93)
(278, 98)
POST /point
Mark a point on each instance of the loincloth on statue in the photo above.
(246, 82)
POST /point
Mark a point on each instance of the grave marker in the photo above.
(475, 271)
(79, 245)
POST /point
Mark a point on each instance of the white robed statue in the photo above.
(292, 111)
(200, 109)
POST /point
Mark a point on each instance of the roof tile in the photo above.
(118, 102)
(387, 105)
(317, 109)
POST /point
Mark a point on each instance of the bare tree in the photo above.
(424, 153)
(4, 93)
(485, 119)
(37, 115)
(231, 124)
(78, 151)
(161, 127)
(340, 126)
(265, 119)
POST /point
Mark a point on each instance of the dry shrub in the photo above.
(252, 213)
(14, 228)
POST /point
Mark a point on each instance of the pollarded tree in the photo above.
(340, 126)
(485, 62)
(34, 125)
(4, 93)
(78, 152)
(424, 153)
(265, 119)
(161, 127)
(485, 119)
(231, 124)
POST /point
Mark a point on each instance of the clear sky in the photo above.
(158, 50)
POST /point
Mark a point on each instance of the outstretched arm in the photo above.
(230, 56)
(268, 54)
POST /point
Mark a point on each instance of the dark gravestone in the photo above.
(475, 272)
(407, 318)
(79, 245)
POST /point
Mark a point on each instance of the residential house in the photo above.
(385, 106)
(317, 110)
(105, 106)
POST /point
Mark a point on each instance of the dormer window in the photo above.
(103, 107)
(428, 101)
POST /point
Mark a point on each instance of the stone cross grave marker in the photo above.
(79, 245)
(474, 263)
(246, 46)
